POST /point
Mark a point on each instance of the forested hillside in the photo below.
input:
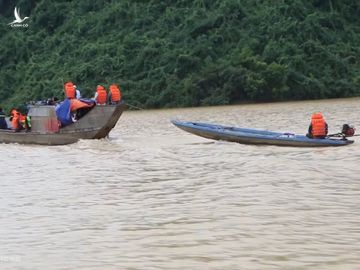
(167, 53)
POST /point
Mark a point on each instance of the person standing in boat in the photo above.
(3, 124)
(70, 91)
(100, 95)
(318, 128)
(114, 94)
(77, 92)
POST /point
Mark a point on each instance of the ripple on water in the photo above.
(154, 197)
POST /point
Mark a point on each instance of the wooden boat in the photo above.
(96, 124)
(255, 136)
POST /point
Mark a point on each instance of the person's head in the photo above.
(13, 110)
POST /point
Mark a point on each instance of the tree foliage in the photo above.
(182, 53)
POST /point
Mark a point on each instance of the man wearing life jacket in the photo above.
(318, 128)
(114, 94)
(100, 95)
(15, 120)
(70, 91)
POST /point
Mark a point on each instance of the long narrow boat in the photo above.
(255, 136)
(96, 124)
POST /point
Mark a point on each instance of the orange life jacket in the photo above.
(70, 91)
(115, 93)
(15, 122)
(22, 119)
(318, 125)
(101, 95)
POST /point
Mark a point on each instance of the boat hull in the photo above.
(96, 124)
(253, 136)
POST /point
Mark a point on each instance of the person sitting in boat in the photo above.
(3, 123)
(100, 95)
(318, 128)
(19, 121)
(70, 91)
(114, 94)
(15, 120)
(25, 121)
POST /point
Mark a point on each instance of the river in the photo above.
(154, 197)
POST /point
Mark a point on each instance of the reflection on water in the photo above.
(155, 197)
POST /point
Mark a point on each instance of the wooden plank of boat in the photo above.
(255, 136)
(96, 124)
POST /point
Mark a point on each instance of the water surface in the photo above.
(155, 197)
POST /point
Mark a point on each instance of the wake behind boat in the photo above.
(255, 136)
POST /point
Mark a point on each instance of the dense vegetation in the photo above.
(168, 53)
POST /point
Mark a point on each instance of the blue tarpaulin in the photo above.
(63, 112)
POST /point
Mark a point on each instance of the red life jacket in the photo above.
(101, 95)
(115, 93)
(318, 125)
(70, 91)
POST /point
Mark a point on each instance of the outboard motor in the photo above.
(348, 131)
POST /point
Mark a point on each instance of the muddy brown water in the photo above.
(154, 197)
